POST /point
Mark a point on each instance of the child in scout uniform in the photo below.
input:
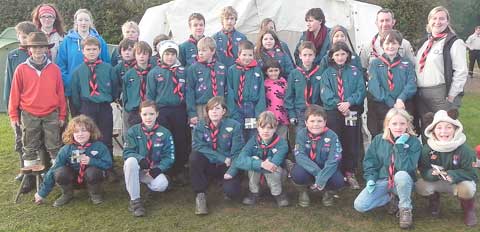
(317, 154)
(130, 31)
(303, 88)
(216, 142)
(269, 47)
(128, 58)
(448, 165)
(157, 39)
(15, 58)
(262, 158)
(340, 33)
(390, 167)
(246, 92)
(166, 86)
(94, 87)
(275, 88)
(82, 160)
(269, 24)
(37, 103)
(134, 84)
(317, 33)
(343, 92)
(205, 79)
(392, 83)
(228, 38)
(148, 153)
(188, 49)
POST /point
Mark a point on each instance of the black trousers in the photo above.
(349, 138)
(474, 56)
(174, 118)
(66, 175)
(201, 170)
(377, 112)
(101, 114)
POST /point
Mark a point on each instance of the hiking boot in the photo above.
(136, 207)
(282, 200)
(67, 195)
(201, 204)
(469, 216)
(28, 184)
(434, 204)
(405, 220)
(94, 190)
(392, 206)
(327, 198)
(251, 199)
(352, 181)
(303, 198)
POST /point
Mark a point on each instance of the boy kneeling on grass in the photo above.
(262, 157)
(83, 159)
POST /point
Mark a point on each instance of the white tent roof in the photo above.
(289, 17)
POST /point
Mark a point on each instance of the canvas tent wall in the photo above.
(8, 42)
(172, 17)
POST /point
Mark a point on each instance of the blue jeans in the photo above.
(380, 196)
(301, 177)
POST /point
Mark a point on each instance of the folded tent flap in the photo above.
(8, 42)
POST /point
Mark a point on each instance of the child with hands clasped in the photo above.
(262, 158)
(318, 153)
(390, 167)
(82, 160)
(148, 153)
(343, 92)
(448, 165)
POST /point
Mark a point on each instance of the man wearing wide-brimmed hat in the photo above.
(37, 100)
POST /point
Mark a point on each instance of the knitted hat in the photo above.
(37, 39)
(337, 28)
(442, 116)
(166, 44)
(46, 10)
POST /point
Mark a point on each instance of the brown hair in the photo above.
(159, 38)
(90, 40)
(386, 11)
(308, 45)
(337, 47)
(392, 36)
(270, 63)
(125, 44)
(227, 12)
(267, 118)
(58, 24)
(316, 13)
(81, 120)
(207, 42)
(259, 47)
(315, 110)
(245, 45)
(147, 103)
(265, 22)
(214, 101)
(26, 27)
(142, 47)
(196, 16)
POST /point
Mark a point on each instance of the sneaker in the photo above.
(282, 200)
(201, 204)
(251, 199)
(327, 199)
(405, 220)
(352, 181)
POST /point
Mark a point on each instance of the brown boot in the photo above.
(406, 218)
(434, 204)
(469, 216)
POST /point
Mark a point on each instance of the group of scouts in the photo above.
(240, 99)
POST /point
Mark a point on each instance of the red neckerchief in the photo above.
(192, 40)
(130, 64)
(391, 167)
(266, 147)
(148, 134)
(390, 66)
(431, 39)
(314, 139)
(143, 83)
(229, 50)
(178, 87)
(83, 167)
(374, 51)
(340, 90)
(241, 84)
(93, 77)
(213, 134)
(213, 78)
(271, 52)
(308, 91)
(319, 39)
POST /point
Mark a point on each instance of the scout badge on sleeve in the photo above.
(351, 118)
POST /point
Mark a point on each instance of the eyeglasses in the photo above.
(49, 17)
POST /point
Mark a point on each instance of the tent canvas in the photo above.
(172, 17)
(8, 42)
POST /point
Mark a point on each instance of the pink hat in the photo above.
(46, 10)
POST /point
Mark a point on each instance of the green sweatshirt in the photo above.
(160, 86)
(295, 94)
(353, 85)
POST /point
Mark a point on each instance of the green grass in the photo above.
(173, 211)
